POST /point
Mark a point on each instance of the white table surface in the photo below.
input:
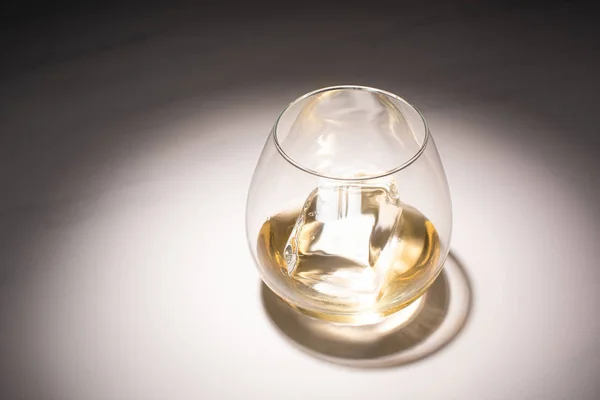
(125, 158)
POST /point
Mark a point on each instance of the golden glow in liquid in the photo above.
(352, 253)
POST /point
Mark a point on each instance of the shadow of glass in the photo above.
(416, 332)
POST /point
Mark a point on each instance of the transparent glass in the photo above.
(348, 214)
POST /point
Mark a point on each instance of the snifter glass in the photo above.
(348, 214)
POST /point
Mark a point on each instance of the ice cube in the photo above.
(340, 245)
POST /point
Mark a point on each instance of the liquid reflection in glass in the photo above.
(415, 332)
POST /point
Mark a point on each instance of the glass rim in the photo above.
(402, 166)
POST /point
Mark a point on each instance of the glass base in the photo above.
(412, 333)
(396, 317)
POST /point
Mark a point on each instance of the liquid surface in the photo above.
(350, 250)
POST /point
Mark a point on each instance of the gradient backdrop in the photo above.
(128, 137)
